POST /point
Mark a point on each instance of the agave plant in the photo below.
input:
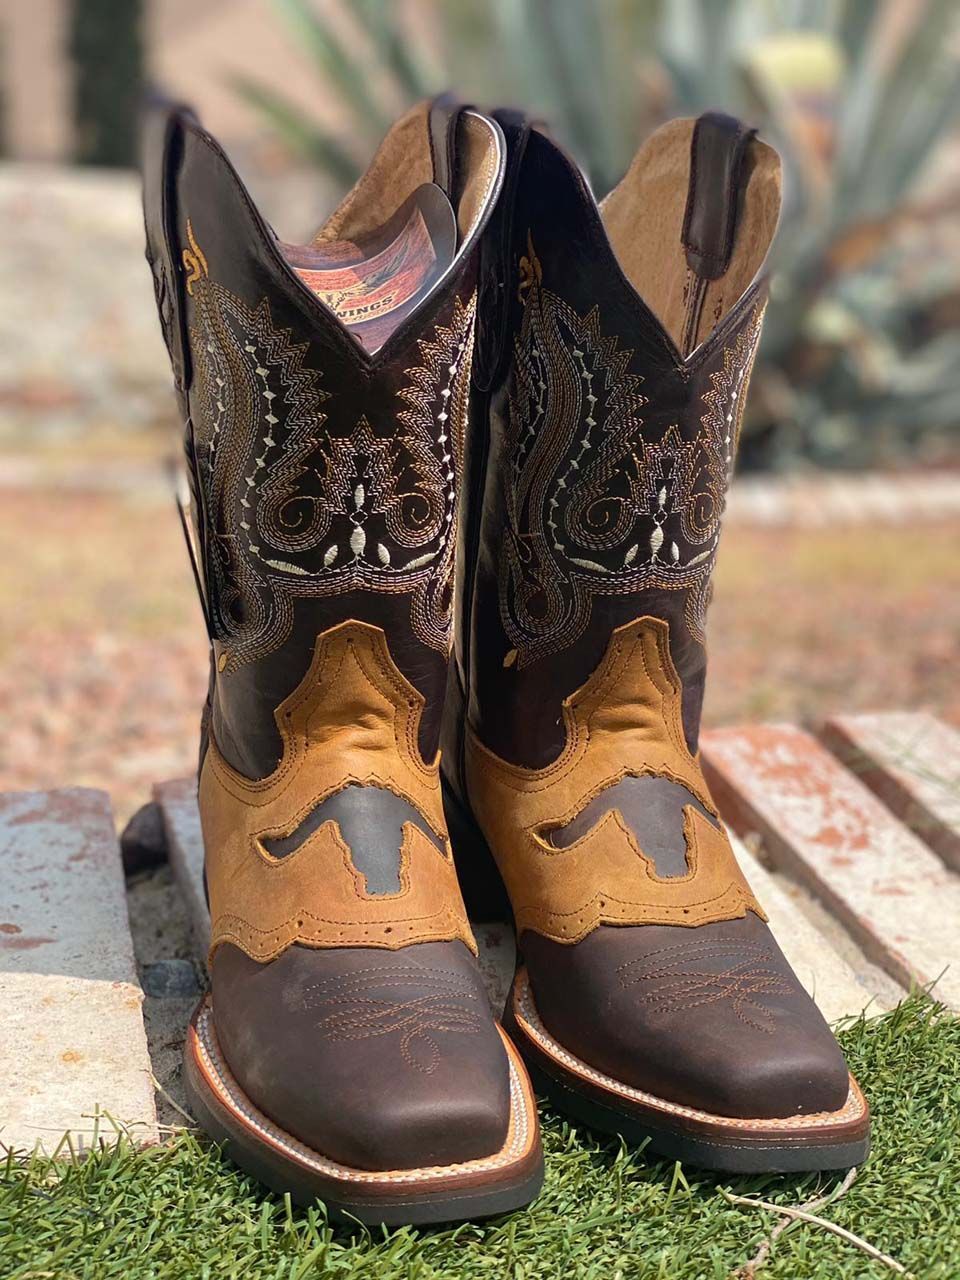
(857, 360)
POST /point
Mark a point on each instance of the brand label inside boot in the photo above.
(371, 284)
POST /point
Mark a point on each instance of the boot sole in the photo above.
(793, 1144)
(505, 1180)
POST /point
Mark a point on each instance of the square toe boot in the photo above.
(347, 1049)
(613, 361)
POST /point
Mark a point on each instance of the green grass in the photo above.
(178, 1211)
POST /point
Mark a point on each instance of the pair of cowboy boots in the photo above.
(457, 469)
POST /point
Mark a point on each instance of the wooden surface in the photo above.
(823, 826)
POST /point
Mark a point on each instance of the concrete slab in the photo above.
(70, 1003)
(822, 971)
(824, 827)
(911, 761)
(181, 819)
(178, 802)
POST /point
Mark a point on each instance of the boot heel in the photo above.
(481, 884)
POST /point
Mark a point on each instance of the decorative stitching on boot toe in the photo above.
(355, 1013)
(677, 981)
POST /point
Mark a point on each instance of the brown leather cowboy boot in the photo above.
(347, 1049)
(613, 364)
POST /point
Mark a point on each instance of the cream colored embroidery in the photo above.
(597, 504)
(297, 504)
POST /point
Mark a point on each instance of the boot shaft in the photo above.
(613, 365)
(323, 458)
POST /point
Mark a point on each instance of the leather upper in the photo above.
(379, 1059)
(604, 438)
(324, 483)
(290, 867)
(590, 512)
(324, 491)
(623, 724)
(712, 1018)
(324, 478)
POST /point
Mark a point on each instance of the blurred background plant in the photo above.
(107, 46)
(861, 355)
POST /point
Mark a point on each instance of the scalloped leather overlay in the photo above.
(624, 721)
(353, 719)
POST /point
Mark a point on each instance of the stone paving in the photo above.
(74, 1064)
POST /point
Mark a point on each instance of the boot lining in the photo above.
(643, 217)
(403, 163)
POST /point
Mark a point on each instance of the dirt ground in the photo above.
(103, 659)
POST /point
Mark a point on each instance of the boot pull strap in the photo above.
(443, 116)
(162, 153)
(494, 295)
(162, 141)
(717, 177)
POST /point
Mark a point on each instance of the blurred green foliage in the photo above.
(107, 51)
(861, 355)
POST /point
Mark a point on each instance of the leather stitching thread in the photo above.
(597, 504)
(354, 1014)
(261, 429)
(675, 986)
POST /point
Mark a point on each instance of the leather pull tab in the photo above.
(717, 177)
(493, 298)
(444, 113)
(162, 149)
